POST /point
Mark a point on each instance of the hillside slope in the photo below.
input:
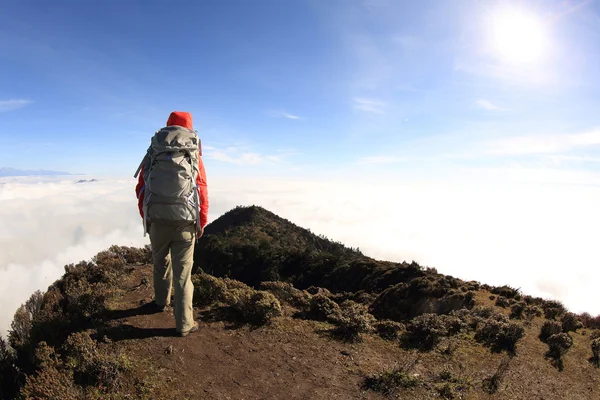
(94, 334)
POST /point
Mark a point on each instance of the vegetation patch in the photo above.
(353, 319)
(389, 330)
(389, 381)
(492, 383)
(287, 293)
(558, 345)
(500, 335)
(549, 328)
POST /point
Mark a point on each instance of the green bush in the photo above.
(423, 295)
(322, 308)
(8, 371)
(453, 324)
(499, 335)
(389, 330)
(253, 306)
(478, 315)
(353, 320)
(507, 292)
(502, 301)
(532, 312)
(391, 380)
(51, 383)
(92, 365)
(424, 332)
(558, 345)
(287, 293)
(595, 345)
(81, 366)
(553, 309)
(595, 334)
(549, 328)
(208, 289)
(234, 284)
(516, 311)
(570, 322)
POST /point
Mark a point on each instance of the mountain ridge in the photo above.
(287, 314)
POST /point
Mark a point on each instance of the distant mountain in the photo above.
(6, 171)
(87, 181)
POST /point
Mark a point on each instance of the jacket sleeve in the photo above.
(139, 191)
(203, 192)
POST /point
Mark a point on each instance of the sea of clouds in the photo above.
(540, 238)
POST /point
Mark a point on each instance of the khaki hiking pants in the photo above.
(173, 253)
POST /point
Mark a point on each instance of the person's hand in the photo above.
(200, 233)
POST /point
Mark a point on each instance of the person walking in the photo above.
(172, 195)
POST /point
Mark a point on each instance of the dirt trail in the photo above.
(289, 359)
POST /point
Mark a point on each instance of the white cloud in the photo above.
(487, 105)
(235, 157)
(241, 156)
(283, 114)
(375, 106)
(50, 222)
(543, 144)
(291, 116)
(13, 104)
(508, 232)
(380, 160)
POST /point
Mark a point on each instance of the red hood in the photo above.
(180, 118)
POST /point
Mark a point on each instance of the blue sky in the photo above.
(298, 88)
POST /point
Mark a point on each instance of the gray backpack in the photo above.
(170, 171)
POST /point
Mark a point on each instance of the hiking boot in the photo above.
(194, 329)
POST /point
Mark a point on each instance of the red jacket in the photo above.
(181, 119)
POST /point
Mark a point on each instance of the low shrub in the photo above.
(549, 328)
(500, 335)
(8, 371)
(391, 380)
(516, 311)
(558, 345)
(595, 345)
(208, 289)
(424, 332)
(353, 320)
(570, 322)
(51, 383)
(389, 330)
(81, 365)
(589, 321)
(595, 334)
(507, 292)
(91, 365)
(531, 312)
(453, 324)
(502, 301)
(322, 308)
(553, 309)
(253, 306)
(287, 293)
(478, 315)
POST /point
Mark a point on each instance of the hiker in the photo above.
(173, 202)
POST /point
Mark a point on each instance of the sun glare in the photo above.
(518, 37)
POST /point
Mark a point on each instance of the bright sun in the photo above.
(518, 37)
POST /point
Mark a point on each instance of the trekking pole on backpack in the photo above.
(137, 171)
